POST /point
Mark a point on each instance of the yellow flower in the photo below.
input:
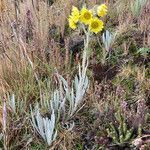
(86, 16)
(75, 14)
(96, 25)
(72, 24)
(102, 10)
(74, 18)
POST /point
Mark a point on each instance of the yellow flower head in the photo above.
(102, 10)
(72, 24)
(96, 25)
(86, 16)
(74, 18)
(75, 14)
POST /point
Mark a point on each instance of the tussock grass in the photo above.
(35, 48)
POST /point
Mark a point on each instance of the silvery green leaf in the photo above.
(44, 126)
(76, 92)
(107, 39)
(144, 51)
(137, 6)
(12, 102)
(1, 136)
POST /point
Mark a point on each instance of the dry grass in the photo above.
(34, 42)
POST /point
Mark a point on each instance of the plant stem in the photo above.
(86, 47)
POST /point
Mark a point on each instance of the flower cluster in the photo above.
(88, 17)
(102, 10)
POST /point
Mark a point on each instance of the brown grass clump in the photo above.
(36, 44)
(2, 6)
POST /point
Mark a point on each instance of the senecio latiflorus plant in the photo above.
(88, 20)
(74, 94)
(44, 126)
(108, 40)
(66, 100)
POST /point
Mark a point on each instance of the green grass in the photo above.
(29, 70)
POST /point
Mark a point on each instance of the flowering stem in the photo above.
(86, 47)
